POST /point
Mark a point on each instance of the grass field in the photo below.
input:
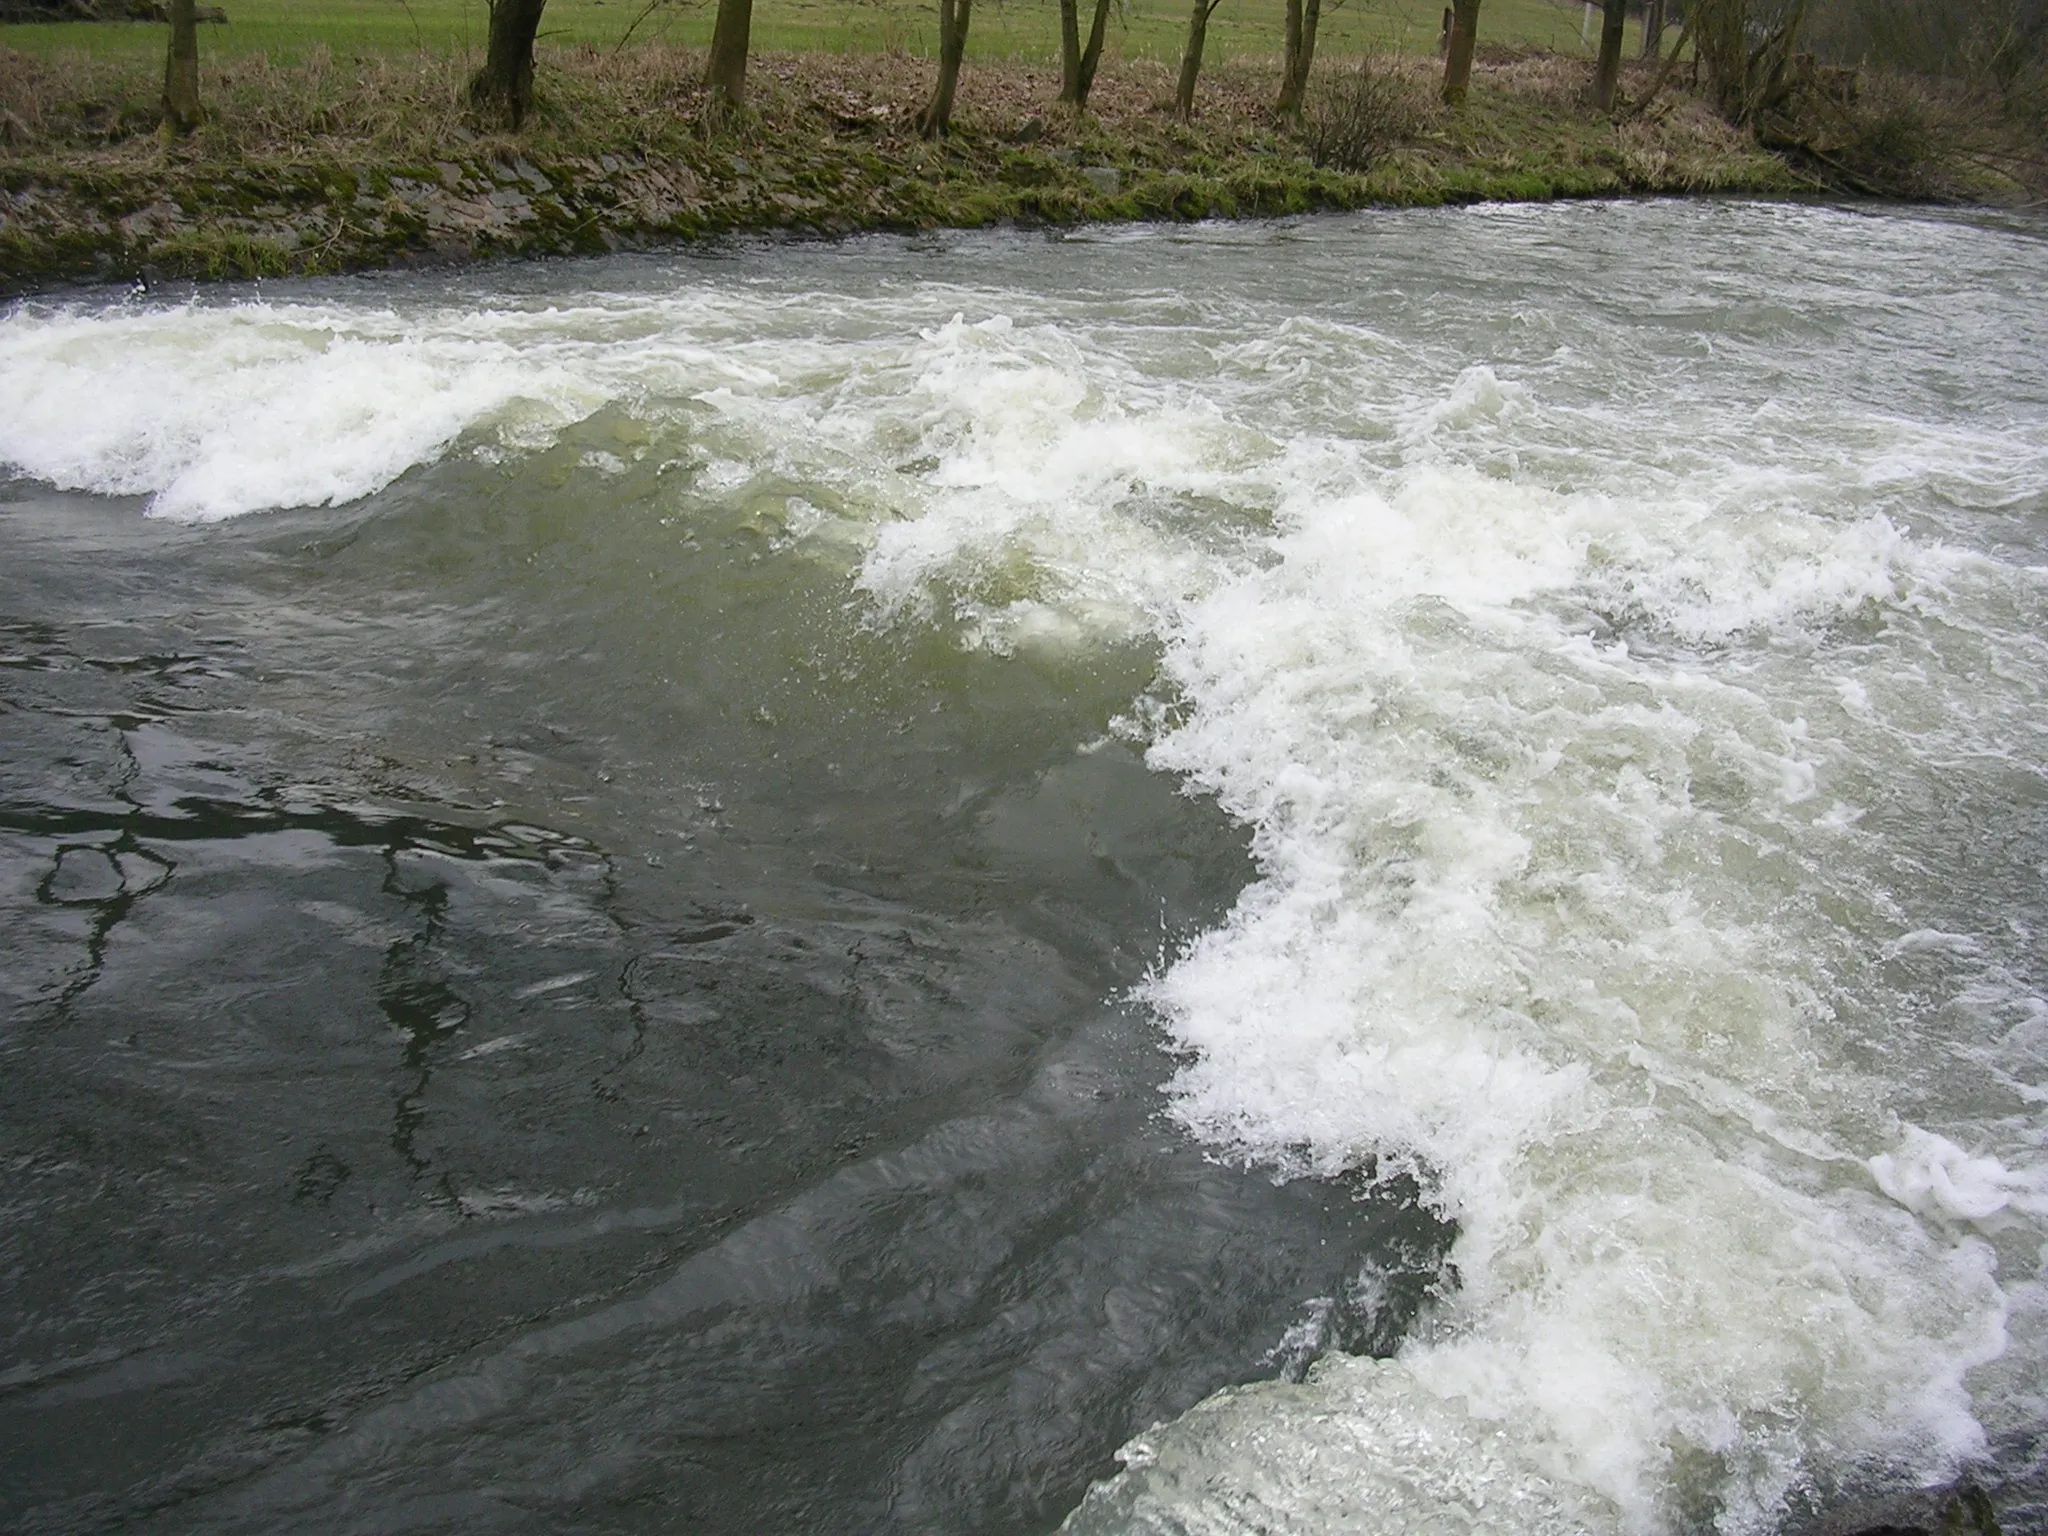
(1016, 29)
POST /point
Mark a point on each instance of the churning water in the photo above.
(1394, 862)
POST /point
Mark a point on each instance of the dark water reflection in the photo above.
(460, 1079)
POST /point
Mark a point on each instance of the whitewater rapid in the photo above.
(1624, 633)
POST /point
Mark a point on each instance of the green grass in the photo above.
(1017, 29)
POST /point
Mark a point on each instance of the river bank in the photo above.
(328, 165)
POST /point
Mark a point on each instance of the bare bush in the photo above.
(1361, 113)
(1893, 124)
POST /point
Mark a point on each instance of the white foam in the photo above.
(217, 412)
(1932, 1175)
(213, 414)
(1501, 940)
(1030, 516)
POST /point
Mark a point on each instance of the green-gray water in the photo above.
(803, 889)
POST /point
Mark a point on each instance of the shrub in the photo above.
(1360, 114)
(1893, 128)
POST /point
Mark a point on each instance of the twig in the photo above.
(634, 26)
(419, 43)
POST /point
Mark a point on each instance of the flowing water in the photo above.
(1372, 874)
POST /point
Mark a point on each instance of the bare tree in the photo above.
(502, 90)
(1653, 29)
(1078, 63)
(937, 115)
(1747, 47)
(1191, 59)
(1663, 75)
(725, 72)
(1607, 69)
(1458, 56)
(1302, 17)
(181, 71)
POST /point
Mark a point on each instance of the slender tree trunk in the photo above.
(1720, 42)
(1664, 73)
(1653, 29)
(725, 73)
(1302, 17)
(937, 115)
(1773, 61)
(181, 71)
(1070, 50)
(1091, 56)
(503, 89)
(1191, 60)
(1458, 57)
(1748, 80)
(1607, 71)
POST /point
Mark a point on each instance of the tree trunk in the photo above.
(1607, 71)
(1653, 29)
(1070, 50)
(1078, 64)
(725, 73)
(181, 71)
(1720, 41)
(1664, 73)
(1747, 79)
(1302, 17)
(1191, 60)
(937, 115)
(1774, 60)
(1458, 57)
(502, 91)
(1091, 56)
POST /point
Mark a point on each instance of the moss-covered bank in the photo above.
(322, 166)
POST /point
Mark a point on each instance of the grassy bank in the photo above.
(329, 162)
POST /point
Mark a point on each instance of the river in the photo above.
(1367, 874)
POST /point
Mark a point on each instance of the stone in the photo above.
(1104, 178)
